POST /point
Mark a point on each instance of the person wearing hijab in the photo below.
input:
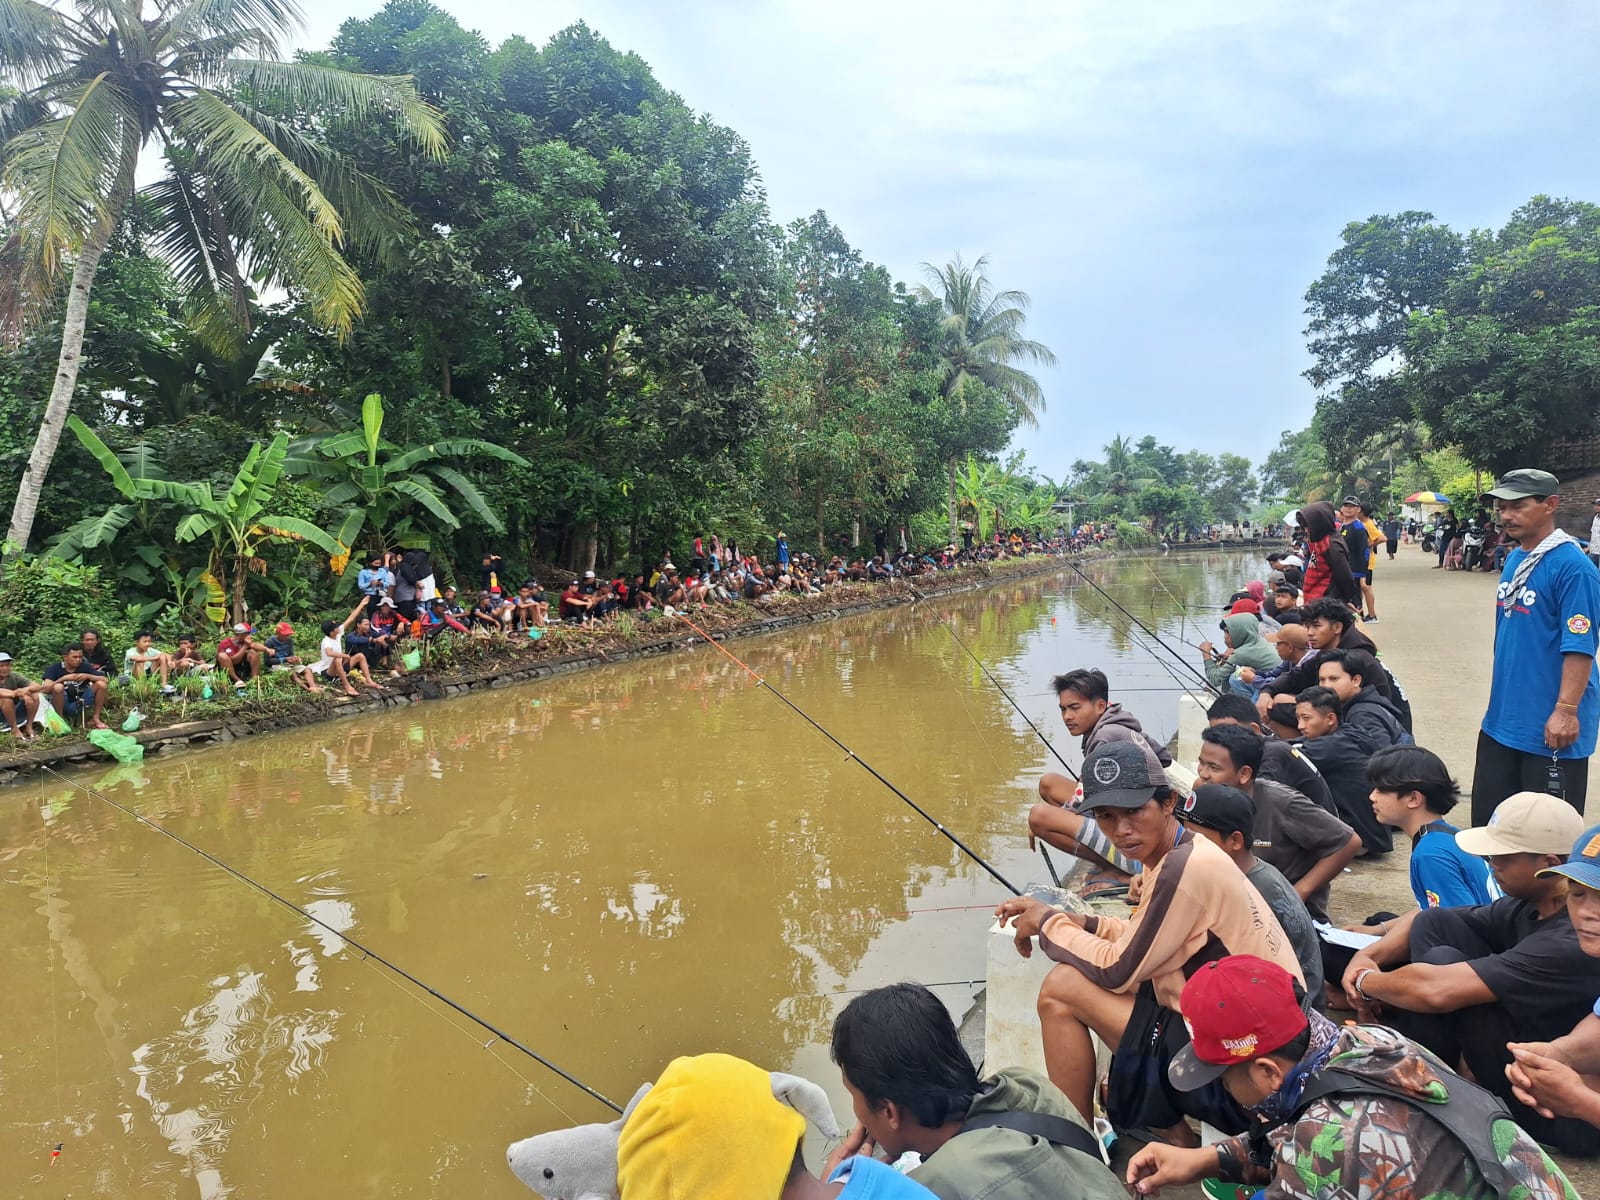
(1327, 571)
(1245, 649)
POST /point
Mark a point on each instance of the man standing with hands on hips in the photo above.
(1544, 695)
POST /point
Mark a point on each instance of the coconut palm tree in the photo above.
(982, 343)
(249, 192)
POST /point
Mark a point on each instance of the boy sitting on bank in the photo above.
(142, 657)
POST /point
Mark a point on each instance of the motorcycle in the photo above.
(1472, 542)
(1429, 546)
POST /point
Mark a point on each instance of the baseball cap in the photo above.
(4, 657)
(1220, 807)
(1121, 775)
(1355, 500)
(1525, 481)
(241, 628)
(675, 1144)
(385, 602)
(1284, 587)
(1582, 865)
(284, 629)
(588, 574)
(1525, 823)
(1237, 1008)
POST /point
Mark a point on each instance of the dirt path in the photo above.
(1435, 632)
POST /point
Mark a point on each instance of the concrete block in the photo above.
(1191, 722)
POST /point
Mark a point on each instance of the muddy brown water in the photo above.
(618, 867)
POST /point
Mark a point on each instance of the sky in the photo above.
(1163, 179)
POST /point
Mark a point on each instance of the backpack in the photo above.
(1470, 1114)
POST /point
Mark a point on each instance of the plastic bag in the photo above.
(536, 634)
(133, 721)
(411, 660)
(119, 745)
(54, 722)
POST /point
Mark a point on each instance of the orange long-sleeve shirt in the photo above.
(1197, 906)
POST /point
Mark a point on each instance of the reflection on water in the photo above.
(617, 867)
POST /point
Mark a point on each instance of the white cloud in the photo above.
(1165, 178)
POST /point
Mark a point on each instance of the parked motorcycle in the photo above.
(1429, 545)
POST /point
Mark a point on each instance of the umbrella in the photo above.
(1427, 498)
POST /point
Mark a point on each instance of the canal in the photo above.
(617, 867)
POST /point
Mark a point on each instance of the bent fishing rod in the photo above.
(851, 754)
(1151, 633)
(366, 951)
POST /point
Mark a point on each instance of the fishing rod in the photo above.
(999, 687)
(365, 951)
(1182, 607)
(852, 755)
(1154, 636)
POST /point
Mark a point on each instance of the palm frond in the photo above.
(191, 236)
(375, 219)
(288, 228)
(65, 172)
(260, 21)
(310, 87)
(32, 38)
(469, 492)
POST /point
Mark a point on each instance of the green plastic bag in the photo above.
(54, 722)
(119, 745)
(133, 721)
(412, 660)
(536, 634)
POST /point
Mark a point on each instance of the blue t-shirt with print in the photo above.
(1443, 875)
(1554, 614)
(869, 1179)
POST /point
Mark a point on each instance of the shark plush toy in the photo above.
(581, 1163)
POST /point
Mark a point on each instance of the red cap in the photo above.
(1237, 1009)
(1245, 605)
(284, 629)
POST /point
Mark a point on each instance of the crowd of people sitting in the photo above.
(1435, 1052)
(402, 609)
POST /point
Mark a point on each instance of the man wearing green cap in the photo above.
(1544, 695)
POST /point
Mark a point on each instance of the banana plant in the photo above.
(395, 492)
(239, 522)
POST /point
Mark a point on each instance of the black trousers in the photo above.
(1501, 771)
(1477, 1036)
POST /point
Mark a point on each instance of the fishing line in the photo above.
(365, 951)
(999, 687)
(852, 756)
(1156, 637)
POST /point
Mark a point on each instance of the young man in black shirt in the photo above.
(1465, 982)
(74, 689)
(1282, 762)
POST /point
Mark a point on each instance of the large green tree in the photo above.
(982, 343)
(250, 192)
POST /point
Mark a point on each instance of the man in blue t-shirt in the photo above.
(1544, 697)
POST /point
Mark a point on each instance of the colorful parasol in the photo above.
(1427, 498)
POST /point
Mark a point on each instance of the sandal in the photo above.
(1104, 885)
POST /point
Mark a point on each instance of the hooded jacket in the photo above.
(1342, 756)
(1348, 1145)
(1117, 724)
(1371, 719)
(1328, 564)
(1244, 632)
(1005, 1164)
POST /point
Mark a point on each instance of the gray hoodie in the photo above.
(1117, 724)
